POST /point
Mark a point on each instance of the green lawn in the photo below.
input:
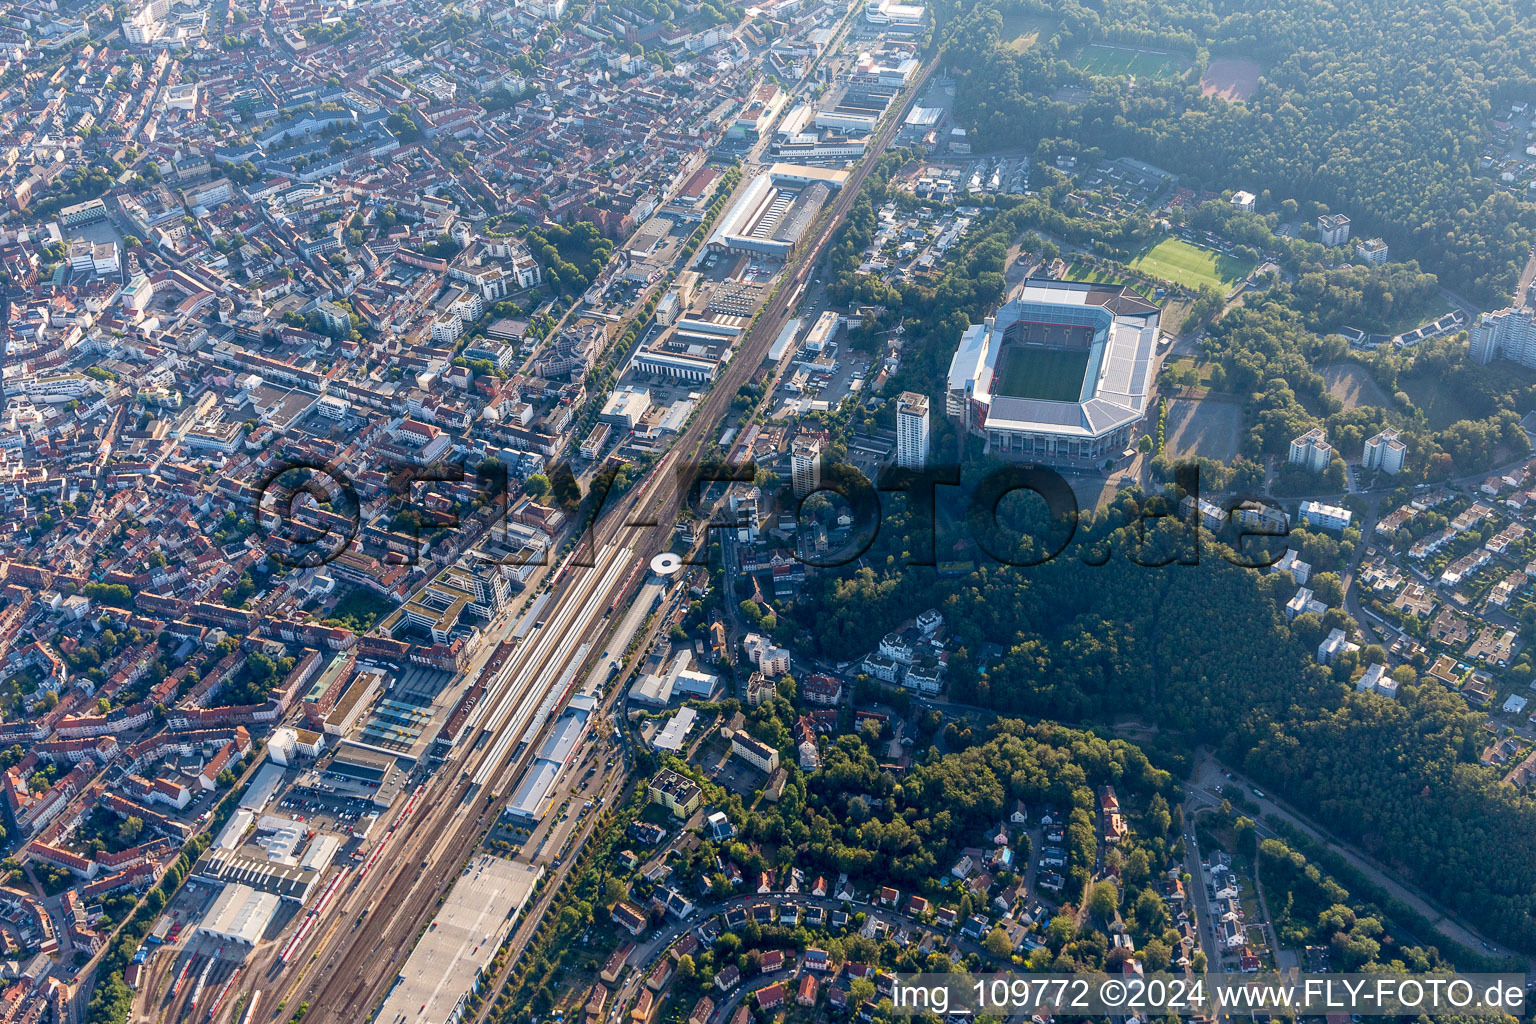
(1122, 61)
(1094, 275)
(1052, 374)
(1191, 266)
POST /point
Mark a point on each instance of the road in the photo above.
(1202, 791)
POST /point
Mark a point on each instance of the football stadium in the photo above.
(1060, 374)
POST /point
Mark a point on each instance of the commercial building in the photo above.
(1384, 452)
(440, 605)
(657, 689)
(593, 445)
(448, 965)
(530, 799)
(82, 213)
(775, 211)
(626, 407)
(693, 350)
(1311, 451)
(912, 430)
(239, 914)
(672, 736)
(1061, 374)
(895, 17)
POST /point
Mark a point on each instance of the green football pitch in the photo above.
(1121, 61)
(1051, 374)
(1176, 260)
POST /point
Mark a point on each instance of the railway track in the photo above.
(351, 965)
(345, 969)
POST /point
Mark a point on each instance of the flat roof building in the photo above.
(448, 964)
(671, 737)
(775, 210)
(239, 914)
(530, 799)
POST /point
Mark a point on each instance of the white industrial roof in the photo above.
(673, 734)
(239, 914)
(461, 941)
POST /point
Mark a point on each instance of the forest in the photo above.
(1373, 108)
(1103, 632)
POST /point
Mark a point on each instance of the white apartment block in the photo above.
(466, 305)
(1328, 517)
(1333, 229)
(1372, 250)
(1505, 334)
(1384, 452)
(912, 430)
(1311, 451)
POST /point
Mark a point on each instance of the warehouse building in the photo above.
(534, 790)
(775, 211)
(239, 914)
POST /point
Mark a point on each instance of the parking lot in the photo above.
(341, 814)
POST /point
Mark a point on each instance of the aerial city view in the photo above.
(766, 511)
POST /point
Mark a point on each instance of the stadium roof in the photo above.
(1119, 374)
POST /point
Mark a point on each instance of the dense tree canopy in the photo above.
(1376, 108)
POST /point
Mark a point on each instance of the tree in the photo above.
(1156, 955)
(685, 967)
(130, 829)
(565, 487)
(1104, 900)
(1328, 587)
(998, 945)
(1247, 836)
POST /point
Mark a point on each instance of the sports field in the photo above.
(1122, 61)
(1051, 374)
(1094, 275)
(1176, 260)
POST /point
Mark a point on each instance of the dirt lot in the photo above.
(1231, 78)
(1209, 427)
(1353, 385)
